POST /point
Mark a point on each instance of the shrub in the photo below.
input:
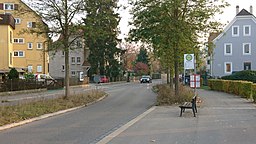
(226, 86)
(216, 84)
(254, 92)
(234, 87)
(166, 95)
(13, 74)
(245, 89)
(247, 75)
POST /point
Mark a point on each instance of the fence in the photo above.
(19, 84)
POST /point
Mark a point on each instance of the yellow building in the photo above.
(7, 27)
(22, 50)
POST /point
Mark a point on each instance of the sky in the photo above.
(227, 16)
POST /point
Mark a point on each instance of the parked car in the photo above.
(146, 79)
(104, 79)
(43, 77)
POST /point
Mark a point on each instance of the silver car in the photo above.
(146, 79)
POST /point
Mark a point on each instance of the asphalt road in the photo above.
(87, 125)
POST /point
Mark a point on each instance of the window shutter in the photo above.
(1, 6)
(15, 6)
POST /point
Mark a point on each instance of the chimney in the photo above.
(251, 10)
(237, 9)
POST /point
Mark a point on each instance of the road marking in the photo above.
(124, 127)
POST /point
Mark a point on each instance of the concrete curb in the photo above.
(8, 126)
(22, 92)
(109, 137)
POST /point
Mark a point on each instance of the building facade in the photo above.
(78, 63)
(26, 51)
(235, 48)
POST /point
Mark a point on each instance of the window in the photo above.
(63, 53)
(17, 20)
(247, 30)
(19, 40)
(247, 65)
(73, 73)
(208, 62)
(228, 67)
(31, 24)
(227, 49)
(235, 31)
(246, 48)
(39, 68)
(63, 68)
(8, 6)
(30, 68)
(39, 45)
(30, 45)
(78, 60)
(19, 54)
(73, 60)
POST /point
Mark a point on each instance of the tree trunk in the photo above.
(67, 92)
(168, 76)
(171, 77)
(176, 69)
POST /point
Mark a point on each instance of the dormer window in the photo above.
(247, 30)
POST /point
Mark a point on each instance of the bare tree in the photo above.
(61, 17)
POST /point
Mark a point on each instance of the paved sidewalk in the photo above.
(222, 119)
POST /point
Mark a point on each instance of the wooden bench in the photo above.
(189, 105)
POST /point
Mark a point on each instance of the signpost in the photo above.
(190, 63)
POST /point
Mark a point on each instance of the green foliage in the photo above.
(142, 56)
(172, 27)
(13, 74)
(29, 76)
(101, 31)
(247, 75)
(254, 92)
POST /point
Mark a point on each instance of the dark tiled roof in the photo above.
(243, 12)
(86, 63)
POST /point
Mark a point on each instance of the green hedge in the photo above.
(246, 75)
(254, 92)
(241, 88)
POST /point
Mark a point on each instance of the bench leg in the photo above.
(181, 110)
(193, 109)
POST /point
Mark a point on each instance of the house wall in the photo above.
(237, 58)
(6, 47)
(57, 61)
(32, 57)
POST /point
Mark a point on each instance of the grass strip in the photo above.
(12, 114)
